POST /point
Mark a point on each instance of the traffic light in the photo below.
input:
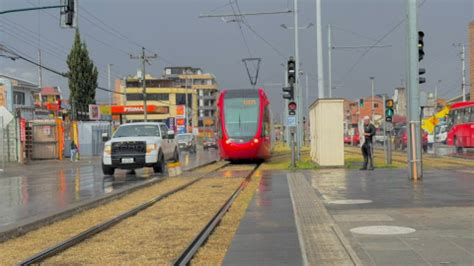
(361, 102)
(389, 110)
(288, 93)
(421, 45)
(291, 108)
(291, 71)
(69, 12)
(421, 79)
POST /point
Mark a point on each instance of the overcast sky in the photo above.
(172, 29)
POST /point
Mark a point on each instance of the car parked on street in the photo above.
(187, 142)
(138, 145)
(209, 143)
(401, 140)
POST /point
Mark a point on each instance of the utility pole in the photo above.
(414, 130)
(463, 69)
(436, 96)
(109, 84)
(40, 73)
(319, 48)
(297, 81)
(144, 59)
(329, 61)
(372, 81)
(306, 106)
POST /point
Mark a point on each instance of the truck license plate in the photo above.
(127, 160)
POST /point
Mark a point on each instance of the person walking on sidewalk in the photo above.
(367, 148)
(73, 151)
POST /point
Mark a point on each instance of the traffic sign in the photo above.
(291, 121)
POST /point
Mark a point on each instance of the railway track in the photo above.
(74, 241)
(188, 253)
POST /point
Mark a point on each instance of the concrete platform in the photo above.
(351, 217)
(32, 192)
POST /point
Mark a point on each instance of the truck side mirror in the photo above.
(170, 134)
(105, 137)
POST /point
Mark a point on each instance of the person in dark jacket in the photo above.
(367, 148)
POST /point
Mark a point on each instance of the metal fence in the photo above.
(9, 142)
(90, 137)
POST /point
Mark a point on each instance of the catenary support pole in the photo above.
(414, 140)
(329, 61)
(297, 81)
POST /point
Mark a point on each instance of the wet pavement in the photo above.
(366, 218)
(42, 187)
(268, 220)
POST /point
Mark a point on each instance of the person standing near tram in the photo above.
(367, 147)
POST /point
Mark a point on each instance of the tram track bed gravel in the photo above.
(14, 250)
(156, 235)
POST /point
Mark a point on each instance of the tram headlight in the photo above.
(255, 140)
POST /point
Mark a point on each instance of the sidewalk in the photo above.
(351, 217)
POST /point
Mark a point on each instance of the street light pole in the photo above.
(319, 47)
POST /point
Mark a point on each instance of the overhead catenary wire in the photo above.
(117, 34)
(240, 26)
(18, 54)
(24, 31)
(247, 24)
(359, 59)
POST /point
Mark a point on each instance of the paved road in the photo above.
(43, 187)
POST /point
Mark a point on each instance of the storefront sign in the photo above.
(138, 109)
(94, 112)
(23, 130)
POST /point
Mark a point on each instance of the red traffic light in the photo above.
(292, 106)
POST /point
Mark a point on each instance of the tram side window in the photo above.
(218, 125)
(266, 123)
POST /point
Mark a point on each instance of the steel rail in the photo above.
(188, 253)
(51, 251)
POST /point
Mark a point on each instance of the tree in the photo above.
(82, 78)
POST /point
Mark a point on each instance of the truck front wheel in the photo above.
(107, 170)
(159, 167)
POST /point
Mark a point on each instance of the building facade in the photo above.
(178, 86)
(18, 95)
(204, 86)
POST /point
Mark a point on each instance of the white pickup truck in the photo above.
(138, 145)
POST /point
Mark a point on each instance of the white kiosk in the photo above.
(326, 118)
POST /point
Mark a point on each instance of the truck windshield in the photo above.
(137, 131)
